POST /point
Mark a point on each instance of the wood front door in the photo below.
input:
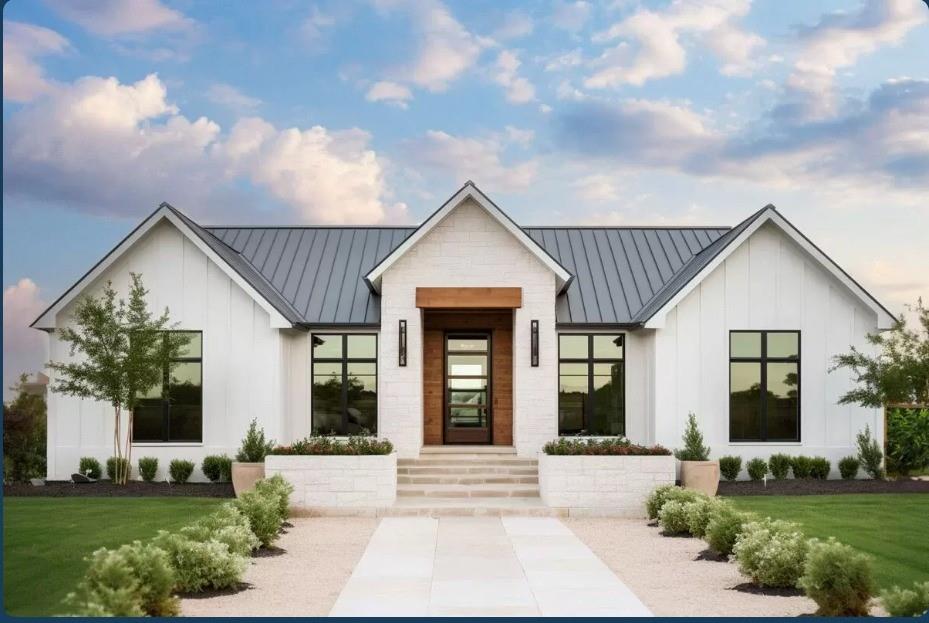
(468, 414)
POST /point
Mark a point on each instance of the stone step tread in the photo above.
(458, 470)
(470, 507)
(467, 491)
(469, 450)
(469, 479)
(478, 460)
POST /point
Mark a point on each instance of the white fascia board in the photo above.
(885, 319)
(47, 322)
(468, 191)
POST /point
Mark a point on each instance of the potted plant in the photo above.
(249, 465)
(697, 471)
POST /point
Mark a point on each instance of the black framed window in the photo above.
(764, 386)
(173, 410)
(344, 371)
(591, 384)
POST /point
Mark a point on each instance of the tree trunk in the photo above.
(129, 448)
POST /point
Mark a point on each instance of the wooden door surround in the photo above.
(469, 298)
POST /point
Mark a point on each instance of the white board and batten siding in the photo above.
(767, 283)
(243, 357)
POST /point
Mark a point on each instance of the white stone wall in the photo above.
(614, 486)
(469, 249)
(325, 482)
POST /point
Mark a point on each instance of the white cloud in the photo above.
(390, 92)
(519, 136)
(571, 16)
(23, 77)
(232, 98)
(119, 17)
(315, 28)
(24, 348)
(565, 61)
(505, 73)
(515, 24)
(598, 187)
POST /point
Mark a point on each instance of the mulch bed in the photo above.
(821, 487)
(105, 489)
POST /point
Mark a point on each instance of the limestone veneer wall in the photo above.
(326, 481)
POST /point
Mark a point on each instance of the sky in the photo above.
(374, 112)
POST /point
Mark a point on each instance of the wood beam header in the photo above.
(469, 298)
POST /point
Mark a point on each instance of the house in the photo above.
(471, 329)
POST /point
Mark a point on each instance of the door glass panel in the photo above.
(608, 347)
(467, 417)
(467, 398)
(782, 403)
(745, 400)
(475, 383)
(783, 345)
(467, 344)
(573, 346)
(467, 365)
(742, 344)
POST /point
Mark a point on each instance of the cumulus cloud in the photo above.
(230, 97)
(652, 43)
(567, 60)
(23, 78)
(24, 349)
(571, 16)
(118, 17)
(515, 24)
(597, 188)
(506, 73)
(390, 92)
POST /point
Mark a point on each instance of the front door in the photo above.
(467, 388)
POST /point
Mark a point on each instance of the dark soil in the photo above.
(217, 592)
(754, 589)
(711, 556)
(822, 487)
(106, 489)
(268, 552)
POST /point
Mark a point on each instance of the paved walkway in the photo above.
(509, 566)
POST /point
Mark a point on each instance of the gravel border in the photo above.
(821, 487)
(133, 489)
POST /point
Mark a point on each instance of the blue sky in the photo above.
(621, 112)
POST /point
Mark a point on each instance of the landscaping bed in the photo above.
(133, 489)
(807, 486)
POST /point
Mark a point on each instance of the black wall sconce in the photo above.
(402, 350)
(534, 343)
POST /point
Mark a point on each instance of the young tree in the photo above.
(24, 435)
(899, 372)
(124, 352)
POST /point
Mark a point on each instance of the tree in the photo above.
(124, 352)
(899, 372)
(24, 426)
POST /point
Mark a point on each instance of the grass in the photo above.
(892, 528)
(45, 541)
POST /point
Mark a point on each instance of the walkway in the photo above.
(503, 566)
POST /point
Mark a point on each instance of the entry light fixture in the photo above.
(534, 343)
(402, 349)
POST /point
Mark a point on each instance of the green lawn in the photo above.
(46, 539)
(893, 528)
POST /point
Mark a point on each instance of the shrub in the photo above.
(277, 486)
(837, 578)
(693, 449)
(199, 565)
(870, 454)
(354, 445)
(613, 447)
(907, 439)
(113, 463)
(254, 446)
(724, 528)
(848, 467)
(666, 493)
(771, 552)
(90, 467)
(730, 466)
(239, 539)
(779, 464)
(905, 602)
(180, 470)
(217, 468)
(698, 514)
(756, 468)
(263, 513)
(148, 468)
(801, 466)
(673, 517)
(226, 515)
(820, 467)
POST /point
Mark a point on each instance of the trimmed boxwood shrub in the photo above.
(673, 517)
(801, 466)
(848, 467)
(263, 513)
(148, 468)
(111, 464)
(217, 468)
(756, 468)
(779, 464)
(771, 552)
(724, 527)
(838, 578)
(730, 466)
(90, 467)
(820, 467)
(278, 486)
(698, 514)
(180, 470)
(200, 565)
(905, 602)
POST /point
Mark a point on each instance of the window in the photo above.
(173, 410)
(344, 384)
(764, 386)
(591, 385)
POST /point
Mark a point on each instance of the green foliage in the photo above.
(801, 466)
(254, 445)
(24, 435)
(277, 486)
(117, 468)
(673, 517)
(771, 552)
(665, 493)
(779, 464)
(757, 468)
(820, 467)
(870, 454)
(218, 468)
(201, 565)
(693, 449)
(848, 467)
(263, 513)
(899, 373)
(148, 468)
(907, 440)
(724, 527)
(838, 578)
(239, 539)
(180, 470)
(730, 466)
(90, 467)
(906, 602)
(699, 512)
(226, 515)
(325, 444)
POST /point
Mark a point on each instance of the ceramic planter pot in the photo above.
(702, 476)
(245, 475)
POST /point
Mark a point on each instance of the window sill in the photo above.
(167, 444)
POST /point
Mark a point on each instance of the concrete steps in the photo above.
(528, 478)
(480, 490)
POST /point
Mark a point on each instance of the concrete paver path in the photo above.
(482, 566)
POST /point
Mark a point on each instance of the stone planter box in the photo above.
(326, 482)
(614, 486)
